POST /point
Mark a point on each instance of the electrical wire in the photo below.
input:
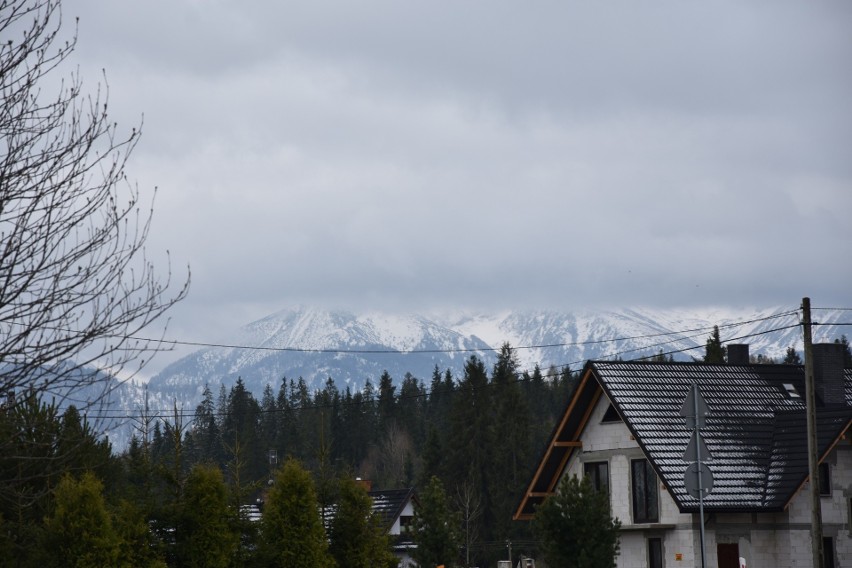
(160, 414)
(457, 350)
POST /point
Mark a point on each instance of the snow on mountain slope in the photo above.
(353, 348)
(317, 344)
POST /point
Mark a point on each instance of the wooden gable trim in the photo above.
(551, 487)
(589, 409)
(556, 443)
(840, 437)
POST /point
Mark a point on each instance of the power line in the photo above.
(106, 413)
(685, 349)
(455, 350)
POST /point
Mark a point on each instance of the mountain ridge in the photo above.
(351, 348)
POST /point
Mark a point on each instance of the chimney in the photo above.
(737, 354)
(365, 483)
(828, 373)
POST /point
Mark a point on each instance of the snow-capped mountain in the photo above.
(317, 345)
(353, 348)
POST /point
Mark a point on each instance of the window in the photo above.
(791, 391)
(824, 479)
(598, 474)
(645, 500)
(611, 415)
(828, 552)
(655, 553)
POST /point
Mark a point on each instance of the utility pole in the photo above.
(813, 458)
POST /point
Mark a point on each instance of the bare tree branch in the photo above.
(75, 282)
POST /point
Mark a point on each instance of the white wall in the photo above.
(764, 540)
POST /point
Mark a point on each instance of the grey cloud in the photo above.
(488, 154)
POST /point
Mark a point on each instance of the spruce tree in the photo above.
(357, 538)
(292, 533)
(791, 357)
(714, 352)
(576, 528)
(435, 527)
(471, 443)
(138, 545)
(847, 352)
(511, 456)
(204, 444)
(205, 535)
(386, 403)
(80, 533)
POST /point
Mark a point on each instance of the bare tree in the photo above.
(469, 505)
(76, 286)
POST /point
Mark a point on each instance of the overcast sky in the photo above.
(565, 155)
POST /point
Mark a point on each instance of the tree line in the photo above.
(179, 491)
(179, 488)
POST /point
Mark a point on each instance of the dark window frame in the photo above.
(611, 415)
(598, 474)
(645, 492)
(825, 479)
(655, 552)
(828, 552)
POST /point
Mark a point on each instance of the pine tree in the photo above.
(847, 352)
(791, 357)
(357, 538)
(43, 446)
(292, 534)
(240, 438)
(205, 533)
(511, 457)
(411, 407)
(387, 402)
(138, 546)
(432, 457)
(204, 444)
(576, 528)
(471, 442)
(714, 350)
(270, 424)
(435, 527)
(80, 532)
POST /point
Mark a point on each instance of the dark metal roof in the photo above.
(755, 431)
(388, 504)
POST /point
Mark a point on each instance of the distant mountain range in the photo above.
(352, 348)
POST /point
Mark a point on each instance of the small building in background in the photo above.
(396, 509)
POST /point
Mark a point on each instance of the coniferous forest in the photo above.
(174, 496)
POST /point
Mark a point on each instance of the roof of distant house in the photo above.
(390, 503)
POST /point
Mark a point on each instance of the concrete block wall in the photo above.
(605, 435)
(633, 551)
(764, 540)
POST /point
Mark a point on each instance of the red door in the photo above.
(729, 555)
